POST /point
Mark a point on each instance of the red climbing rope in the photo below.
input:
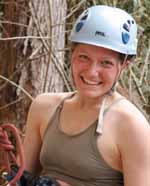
(8, 148)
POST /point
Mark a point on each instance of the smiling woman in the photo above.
(93, 136)
(95, 72)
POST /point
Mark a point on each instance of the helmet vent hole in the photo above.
(129, 22)
(79, 26)
(126, 27)
(84, 17)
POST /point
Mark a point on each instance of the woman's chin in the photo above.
(92, 94)
(92, 91)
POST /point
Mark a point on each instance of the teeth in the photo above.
(89, 82)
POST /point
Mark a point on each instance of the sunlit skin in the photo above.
(95, 72)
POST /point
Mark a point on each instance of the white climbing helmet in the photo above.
(108, 27)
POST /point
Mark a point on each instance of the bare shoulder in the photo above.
(49, 99)
(133, 142)
(131, 118)
(127, 117)
(128, 123)
(43, 107)
(133, 130)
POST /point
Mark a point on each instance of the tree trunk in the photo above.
(36, 62)
(10, 54)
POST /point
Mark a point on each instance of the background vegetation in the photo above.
(135, 82)
(35, 52)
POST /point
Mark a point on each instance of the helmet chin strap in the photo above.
(99, 128)
(112, 90)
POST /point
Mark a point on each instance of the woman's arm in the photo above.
(134, 145)
(32, 142)
(41, 110)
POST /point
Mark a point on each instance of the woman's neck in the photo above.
(88, 102)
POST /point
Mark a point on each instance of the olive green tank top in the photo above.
(75, 159)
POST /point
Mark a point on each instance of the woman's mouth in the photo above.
(90, 82)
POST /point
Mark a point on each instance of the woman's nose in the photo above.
(94, 69)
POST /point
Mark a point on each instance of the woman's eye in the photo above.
(106, 63)
(83, 57)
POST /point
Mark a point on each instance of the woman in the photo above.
(93, 136)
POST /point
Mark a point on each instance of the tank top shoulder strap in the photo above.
(60, 105)
(57, 111)
(103, 111)
(114, 103)
(63, 100)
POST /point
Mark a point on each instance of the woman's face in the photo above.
(94, 69)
